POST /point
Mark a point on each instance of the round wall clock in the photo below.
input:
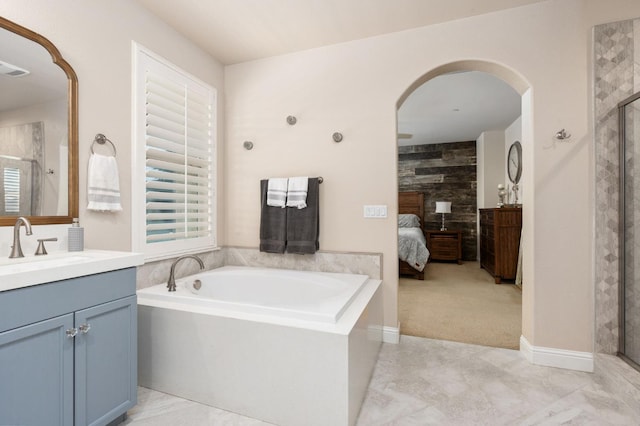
(514, 162)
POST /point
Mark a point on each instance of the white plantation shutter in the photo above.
(176, 129)
(11, 190)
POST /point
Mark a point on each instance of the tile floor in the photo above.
(434, 382)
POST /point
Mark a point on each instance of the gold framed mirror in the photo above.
(39, 186)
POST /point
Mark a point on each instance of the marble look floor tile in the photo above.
(155, 404)
(466, 384)
(382, 408)
(585, 406)
(616, 369)
(431, 382)
(159, 409)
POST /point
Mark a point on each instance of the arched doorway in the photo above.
(521, 91)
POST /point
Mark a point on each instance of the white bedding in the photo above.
(412, 247)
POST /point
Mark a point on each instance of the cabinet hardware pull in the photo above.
(84, 328)
(71, 333)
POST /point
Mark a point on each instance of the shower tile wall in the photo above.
(616, 77)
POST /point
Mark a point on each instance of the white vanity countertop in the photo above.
(33, 270)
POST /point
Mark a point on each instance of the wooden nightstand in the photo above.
(445, 245)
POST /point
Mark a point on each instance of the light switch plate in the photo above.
(375, 211)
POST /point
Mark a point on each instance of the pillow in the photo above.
(408, 221)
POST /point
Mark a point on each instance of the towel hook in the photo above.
(101, 139)
(337, 137)
(562, 134)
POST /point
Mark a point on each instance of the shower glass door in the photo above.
(629, 115)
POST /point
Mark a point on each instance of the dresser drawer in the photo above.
(445, 252)
(486, 216)
(444, 244)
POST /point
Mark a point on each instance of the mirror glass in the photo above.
(38, 129)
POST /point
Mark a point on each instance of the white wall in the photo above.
(490, 171)
(353, 88)
(491, 166)
(95, 38)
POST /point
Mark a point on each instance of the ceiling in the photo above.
(457, 107)
(454, 107)
(45, 82)
(235, 31)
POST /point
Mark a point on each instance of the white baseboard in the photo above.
(560, 358)
(391, 334)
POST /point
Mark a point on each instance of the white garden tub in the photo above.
(286, 347)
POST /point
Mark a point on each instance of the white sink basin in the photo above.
(37, 262)
(33, 270)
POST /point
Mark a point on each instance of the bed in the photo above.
(412, 250)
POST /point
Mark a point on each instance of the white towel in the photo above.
(104, 184)
(297, 192)
(277, 192)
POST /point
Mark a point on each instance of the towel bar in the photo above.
(101, 140)
(320, 179)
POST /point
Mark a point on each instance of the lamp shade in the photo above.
(443, 206)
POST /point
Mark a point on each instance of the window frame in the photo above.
(142, 57)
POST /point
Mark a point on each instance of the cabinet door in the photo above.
(36, 374)
(106, 361)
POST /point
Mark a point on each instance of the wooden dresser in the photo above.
(500, 241)
(445, 245)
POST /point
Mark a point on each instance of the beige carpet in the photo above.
(461, 303)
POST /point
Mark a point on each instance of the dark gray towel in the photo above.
(273, 224)
(303, 225)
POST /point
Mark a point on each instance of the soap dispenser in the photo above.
(76, 236)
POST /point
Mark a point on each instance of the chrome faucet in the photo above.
(171, 283)
(16, 249)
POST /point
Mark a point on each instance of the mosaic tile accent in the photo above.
(614, 81)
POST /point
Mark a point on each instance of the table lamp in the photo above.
(443, 207)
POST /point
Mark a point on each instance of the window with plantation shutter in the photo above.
(11, 190)
(174, 157)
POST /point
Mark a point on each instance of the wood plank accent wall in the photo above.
(444, 172)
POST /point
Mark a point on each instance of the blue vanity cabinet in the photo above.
(36, 374)
(105, 361)
(68, 351)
